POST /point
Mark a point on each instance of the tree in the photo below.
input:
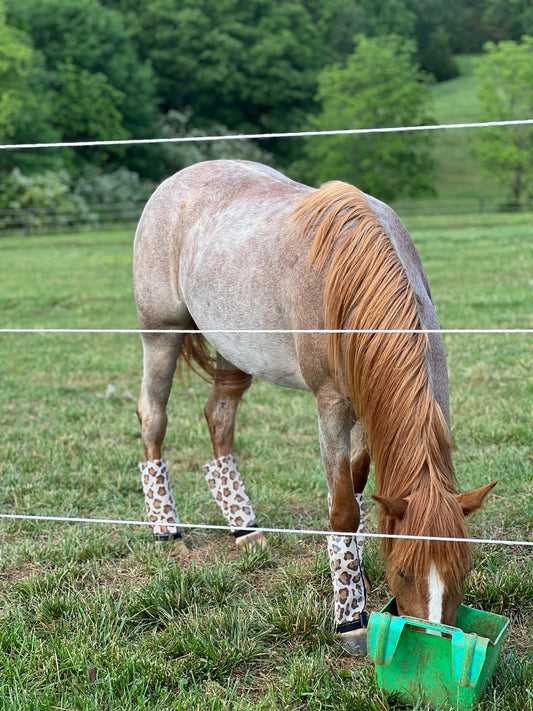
(89, 70)
(436, 56)
(434, 19)
(506, 93)
(87, 106)
(386, 17)
(15, 61)
(508, 19)
(250, 65)
(176, 156)
(379, 86)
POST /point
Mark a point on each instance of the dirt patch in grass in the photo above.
(15, 575)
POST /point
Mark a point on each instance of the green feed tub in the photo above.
(442, 665)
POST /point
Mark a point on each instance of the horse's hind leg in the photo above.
(161, 352)
(222, 474)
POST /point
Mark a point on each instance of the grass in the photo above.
(100, 617)
(458, 173)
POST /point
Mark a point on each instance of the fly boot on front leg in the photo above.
(349, 594)
(349, 591)
(350, 584)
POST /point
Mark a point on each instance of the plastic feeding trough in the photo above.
(416, 659)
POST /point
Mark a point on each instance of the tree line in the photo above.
(75, 70)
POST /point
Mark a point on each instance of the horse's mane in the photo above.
(386, 373)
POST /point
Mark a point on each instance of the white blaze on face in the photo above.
(436, 594)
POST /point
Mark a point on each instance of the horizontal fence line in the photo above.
(34, 221)
(190, 331)
(257, 136)
(297, 531)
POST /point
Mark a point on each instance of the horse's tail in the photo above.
(197, 355)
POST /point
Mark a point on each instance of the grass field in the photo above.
(100, 617)
(459, 174)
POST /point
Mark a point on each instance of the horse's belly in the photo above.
(241, 318)
(268, 356)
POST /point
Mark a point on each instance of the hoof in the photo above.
(353, 642)
(180, 547)
(251, 541)
(176, 540)
(352, 635)
(368, 586)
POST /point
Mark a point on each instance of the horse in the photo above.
(256, 266)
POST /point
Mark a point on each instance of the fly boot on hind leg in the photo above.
(222, 474)
(160, 356)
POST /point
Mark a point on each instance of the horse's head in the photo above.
(427, 577)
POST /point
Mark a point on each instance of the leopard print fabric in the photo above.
(160, 504)
(226, 485)
(345, 556)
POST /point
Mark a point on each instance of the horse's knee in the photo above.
(344, 509)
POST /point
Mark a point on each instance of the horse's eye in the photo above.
(401, 574)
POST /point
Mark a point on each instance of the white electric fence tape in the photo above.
(258, 136)
(294, 531)
(267, 330)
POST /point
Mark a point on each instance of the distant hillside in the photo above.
(460, 184)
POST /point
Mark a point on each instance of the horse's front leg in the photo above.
(335, 424)
(360, 465)
(222, 474)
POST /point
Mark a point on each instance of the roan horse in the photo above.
(229, 247)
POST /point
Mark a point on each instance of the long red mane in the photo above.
(386, 374)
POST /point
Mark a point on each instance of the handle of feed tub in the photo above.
(425, 625)
(383, 639)
(468, 650)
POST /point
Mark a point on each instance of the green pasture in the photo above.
(100, 617)
(459, 182)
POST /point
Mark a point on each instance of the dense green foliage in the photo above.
(379, 86)
(507, 153)
(15, 60)
(74, 70)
